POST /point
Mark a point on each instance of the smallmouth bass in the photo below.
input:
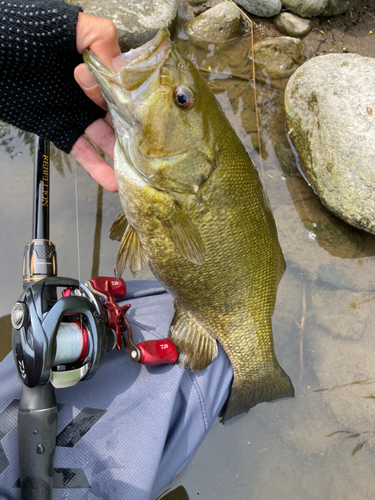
(196, 212)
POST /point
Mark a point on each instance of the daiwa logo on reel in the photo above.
(21, 368)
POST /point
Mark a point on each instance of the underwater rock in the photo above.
(277, 58)
(261, 8)
(345, 371)
(314, 245)
(342, 313)
(136, 22)
(330, 113)
(293, 25)
(218, 24)
(286, 158)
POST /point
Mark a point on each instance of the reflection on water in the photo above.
(317, 446)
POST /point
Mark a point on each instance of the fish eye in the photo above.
(183, 97)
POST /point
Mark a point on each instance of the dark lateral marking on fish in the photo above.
(79, 426)
(65, 478)
(8, 419)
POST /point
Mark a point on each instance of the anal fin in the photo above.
(196, 348)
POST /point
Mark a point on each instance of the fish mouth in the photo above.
(139, 65)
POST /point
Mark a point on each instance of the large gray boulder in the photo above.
(136, 21)
(330, 112)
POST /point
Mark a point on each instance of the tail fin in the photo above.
(241, 399)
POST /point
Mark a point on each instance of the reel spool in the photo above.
(60, 340)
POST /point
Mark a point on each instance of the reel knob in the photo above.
(19, 315)
(158, 352)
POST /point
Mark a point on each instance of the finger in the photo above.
(87, 83)
(100, 35)
(102, 135)
(94, 164)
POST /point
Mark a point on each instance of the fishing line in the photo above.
(77, 222)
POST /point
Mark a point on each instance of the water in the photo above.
(316, 446)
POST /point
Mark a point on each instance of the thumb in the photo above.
(99, 35)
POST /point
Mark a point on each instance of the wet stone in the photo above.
(330, 113)
(311, 8)
(218, 24)
(277, 58)
(136, 22)
(293, 25)
(305, 8)
(261, 8)
(335, 7)
(189, 9)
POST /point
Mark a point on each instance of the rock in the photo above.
(189, 9)
(293, 25)
(306, 8)
(330, 113)
(137, 22)
(218, 24)
(261, 8)
(335, 7)
(277, 58)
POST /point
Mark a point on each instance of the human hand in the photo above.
(100, 36)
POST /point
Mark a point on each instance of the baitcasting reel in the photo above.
(61, 340)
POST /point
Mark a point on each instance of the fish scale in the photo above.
(214, 246)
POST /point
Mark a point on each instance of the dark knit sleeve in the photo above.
(38, 55)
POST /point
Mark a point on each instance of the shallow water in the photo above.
(315, 446)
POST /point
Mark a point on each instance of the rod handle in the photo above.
(37, 425)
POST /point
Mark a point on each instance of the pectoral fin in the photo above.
(184, 235)
(196, 348)
(130, 253)
(118, 227)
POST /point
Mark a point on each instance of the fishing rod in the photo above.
(60, 330)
